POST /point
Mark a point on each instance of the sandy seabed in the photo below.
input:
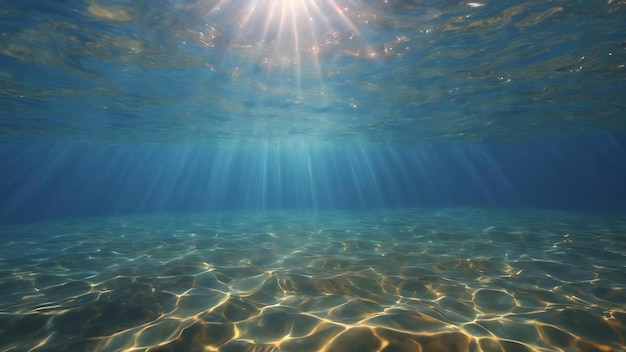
(387, 280)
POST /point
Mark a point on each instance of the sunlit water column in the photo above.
(291, 174)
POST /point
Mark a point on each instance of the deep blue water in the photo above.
(47, 179)
(328, 175)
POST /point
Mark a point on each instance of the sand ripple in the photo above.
(329, 282)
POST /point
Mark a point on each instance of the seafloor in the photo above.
(384, 280)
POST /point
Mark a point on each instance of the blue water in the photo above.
(329, 175)
(44, 180)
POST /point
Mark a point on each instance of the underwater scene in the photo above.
(313, 175)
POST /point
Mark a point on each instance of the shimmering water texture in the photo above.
(356, 70)
(410, 280)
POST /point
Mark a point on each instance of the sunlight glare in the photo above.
(282, 34)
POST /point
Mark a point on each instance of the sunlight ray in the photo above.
(283, 35)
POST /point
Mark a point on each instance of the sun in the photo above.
(283, 34)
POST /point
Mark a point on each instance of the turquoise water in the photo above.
(312, 175)
(356, 71)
